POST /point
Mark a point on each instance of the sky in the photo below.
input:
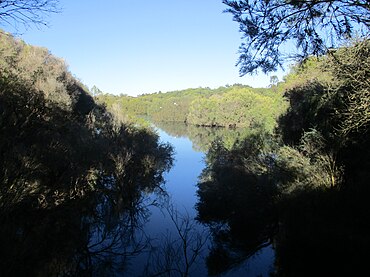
(134, 47)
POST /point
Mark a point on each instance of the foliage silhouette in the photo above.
(335, 104)
(314, 27)
(314, 229)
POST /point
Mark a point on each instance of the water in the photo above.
(181, 186)
(319, 233)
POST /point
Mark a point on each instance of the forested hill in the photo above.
(229, 106)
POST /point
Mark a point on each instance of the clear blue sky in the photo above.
(134, 47)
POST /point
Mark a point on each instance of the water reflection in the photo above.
(233, 206)
(236, 200)
(71, 240)
(181, 250)
(202, 137)
(314, 232)
(96, 235)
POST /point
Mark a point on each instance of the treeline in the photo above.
(303, 189)
(160, 107)
(238, 107)
(230, 106)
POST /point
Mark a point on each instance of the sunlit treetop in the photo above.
(269, 27)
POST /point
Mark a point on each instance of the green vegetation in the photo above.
(159, 107)
(294, 175)
(303, 190)
(238, 108)
(231, 106)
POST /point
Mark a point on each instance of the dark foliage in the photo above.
(314, 26)
(337, 108)
(307, 110)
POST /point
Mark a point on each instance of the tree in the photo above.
(313, 25)
(95, 91)
(26, 12)
(274, 80)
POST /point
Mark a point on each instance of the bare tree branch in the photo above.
(26, 13)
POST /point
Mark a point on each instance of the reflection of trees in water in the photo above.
(236, 200)
(180, 250)
(202, 137)
(76, 239)
(245, 200)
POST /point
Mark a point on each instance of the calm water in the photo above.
(139, 229)
(181, 186)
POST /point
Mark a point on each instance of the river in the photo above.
(190, 145)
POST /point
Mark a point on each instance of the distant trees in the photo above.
(274, 80)
(238, 107)
(160, 107)
(95, 91)
(314, 26)
(26, 12)
(230, 106)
